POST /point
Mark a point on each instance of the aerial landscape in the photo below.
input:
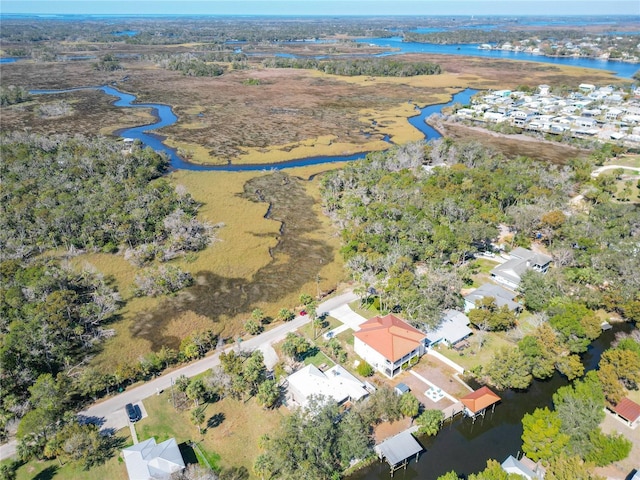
(320, 240)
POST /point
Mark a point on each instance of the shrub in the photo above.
(365, 369)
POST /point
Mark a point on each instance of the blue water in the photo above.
(125, 33)
(165, 117)
(8, 59)
(622, 69)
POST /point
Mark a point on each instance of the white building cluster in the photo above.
(603, 113)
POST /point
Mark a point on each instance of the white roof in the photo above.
(453, 328)
(335, 383)
(148, 461)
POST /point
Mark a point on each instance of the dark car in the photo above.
(133, 412)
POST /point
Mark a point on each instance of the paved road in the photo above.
(112, 411)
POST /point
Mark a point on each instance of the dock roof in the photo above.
(480, 399)
(399, 448)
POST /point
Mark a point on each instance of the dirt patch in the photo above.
(620, 470)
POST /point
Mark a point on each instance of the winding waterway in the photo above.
(465, 446)
(164, 117)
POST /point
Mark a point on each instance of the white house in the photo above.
(521, 260)
(453, 328)
(389, 344)
(520, 467)
(543, 89)
(336, 384)
(150, 461)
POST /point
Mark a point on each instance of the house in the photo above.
(389, 344)
(501, 296)
(587, 87)
(521, 260)
(453, 328)
(477, 402)
(150, 461)
(336, 383)
(520, 467)
(494, 117)
(629, 411)
(586, 122)
(543, 89)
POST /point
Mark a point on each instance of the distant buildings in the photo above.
(604, 113)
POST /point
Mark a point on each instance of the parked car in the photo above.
(303, 313)
(133, 412)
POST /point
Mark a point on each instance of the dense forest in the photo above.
(72, 194)
(375, 67)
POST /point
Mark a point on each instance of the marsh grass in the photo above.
(256, 262)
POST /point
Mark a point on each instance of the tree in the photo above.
(449, 476)
(365, 369)
(542, 438)
(354, 439)
(494, 471)
(268, 393)
(286, 315)
(82, 443)
(295, 346)
(429, 422)
(254, 371)
(252, 327)
(409, 405)
(263, 466)
(509, 369)
(194, 471)
(196, 390)
(306, 299)
(563, 467)
(197, 417)
(606, 449)
(625, 363)
(538, 290)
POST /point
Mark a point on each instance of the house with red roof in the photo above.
(477, 402)
(629, 411)
(389, 344)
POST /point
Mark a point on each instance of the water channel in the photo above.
(465, 446)
(164, 117)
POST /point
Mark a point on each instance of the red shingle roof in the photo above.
(390, 336)
(628, 409)
(480, 399)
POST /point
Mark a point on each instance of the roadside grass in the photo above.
(308, 331)
(114, 468)
(230, 432)
(367, 311)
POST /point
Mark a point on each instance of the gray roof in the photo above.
(501, 295)
(402, 388)
(512, 465)
(521, 260)
(452, 328)
(533, 257)
(399, 447)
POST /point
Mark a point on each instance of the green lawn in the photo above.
(367, 311)
(472, 356)
(114, 468)
(318, 359)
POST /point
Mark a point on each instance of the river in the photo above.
(164, 117)
(621, 69)
(465, 446)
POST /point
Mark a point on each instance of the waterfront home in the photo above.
(389, 344)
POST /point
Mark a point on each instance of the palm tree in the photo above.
(197, 417)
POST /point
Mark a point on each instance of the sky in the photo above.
(324, 7)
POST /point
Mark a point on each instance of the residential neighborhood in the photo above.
(605, 114)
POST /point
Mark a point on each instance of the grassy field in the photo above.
(229, 437)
